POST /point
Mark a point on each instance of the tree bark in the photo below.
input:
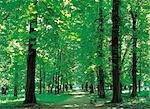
(44, 79)
(4, 89)
(40, 80)
(116, 53)
(70, 86)
(66, 86)
(134, 53)
(58, 79)
(139, 82)
(15, 90)
(63, 87)
(31, 60)
(86, 86)
(55, 83)
(16, 83)
(101, 90)
(91, 88)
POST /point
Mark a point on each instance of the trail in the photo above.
(78, 100)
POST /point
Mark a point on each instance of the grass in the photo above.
(51, 98)
(80, 100)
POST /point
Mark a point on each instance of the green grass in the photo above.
(51, 98)
(45, 101)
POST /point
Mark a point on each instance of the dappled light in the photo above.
(68, 106)
(78, 96)
(74, 54)
(11, 101)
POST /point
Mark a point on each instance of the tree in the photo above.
(101, 91)
(40, 83)
(16, 83)
(31, 59)
(73, 47)
(116, 53)
(134, 58)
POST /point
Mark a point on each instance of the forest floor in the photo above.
(77, 100)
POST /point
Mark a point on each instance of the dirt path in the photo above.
(78, 100)
(81, 100)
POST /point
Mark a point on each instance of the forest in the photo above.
(74, 54)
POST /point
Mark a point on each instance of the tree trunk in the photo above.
(91, 88)
(101, 90)
(134, 53)
(116, 53)
(63, 87)
(66, 87)
(15, 91)
(49, 86)
(40, 80)
(52, 88)
(58, 89)
(61, 83)
(86, 86)
(31, 60)
(59, 68)
(16, 84)
(139, 82)
(100, 76)
(70, 86)
(4, 89)
(82, 86)
(44, 85)
(55, 83)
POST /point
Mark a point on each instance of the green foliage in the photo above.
(67, 33)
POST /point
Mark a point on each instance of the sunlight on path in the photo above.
(79, 100)
(79, 93)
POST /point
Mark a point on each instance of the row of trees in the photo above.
(70, 42)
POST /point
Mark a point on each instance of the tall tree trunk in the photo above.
(59, 68)
(116, 53)
(52, 84)
(61, 82)
(52, 88)
(56, 83)
(58, 78)
(63, 87)
(16, 90)
(101, 90)
(16, 84)
(44, 77)
(40, 80)
(139, 84)
(31, 60)
(134, 53)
